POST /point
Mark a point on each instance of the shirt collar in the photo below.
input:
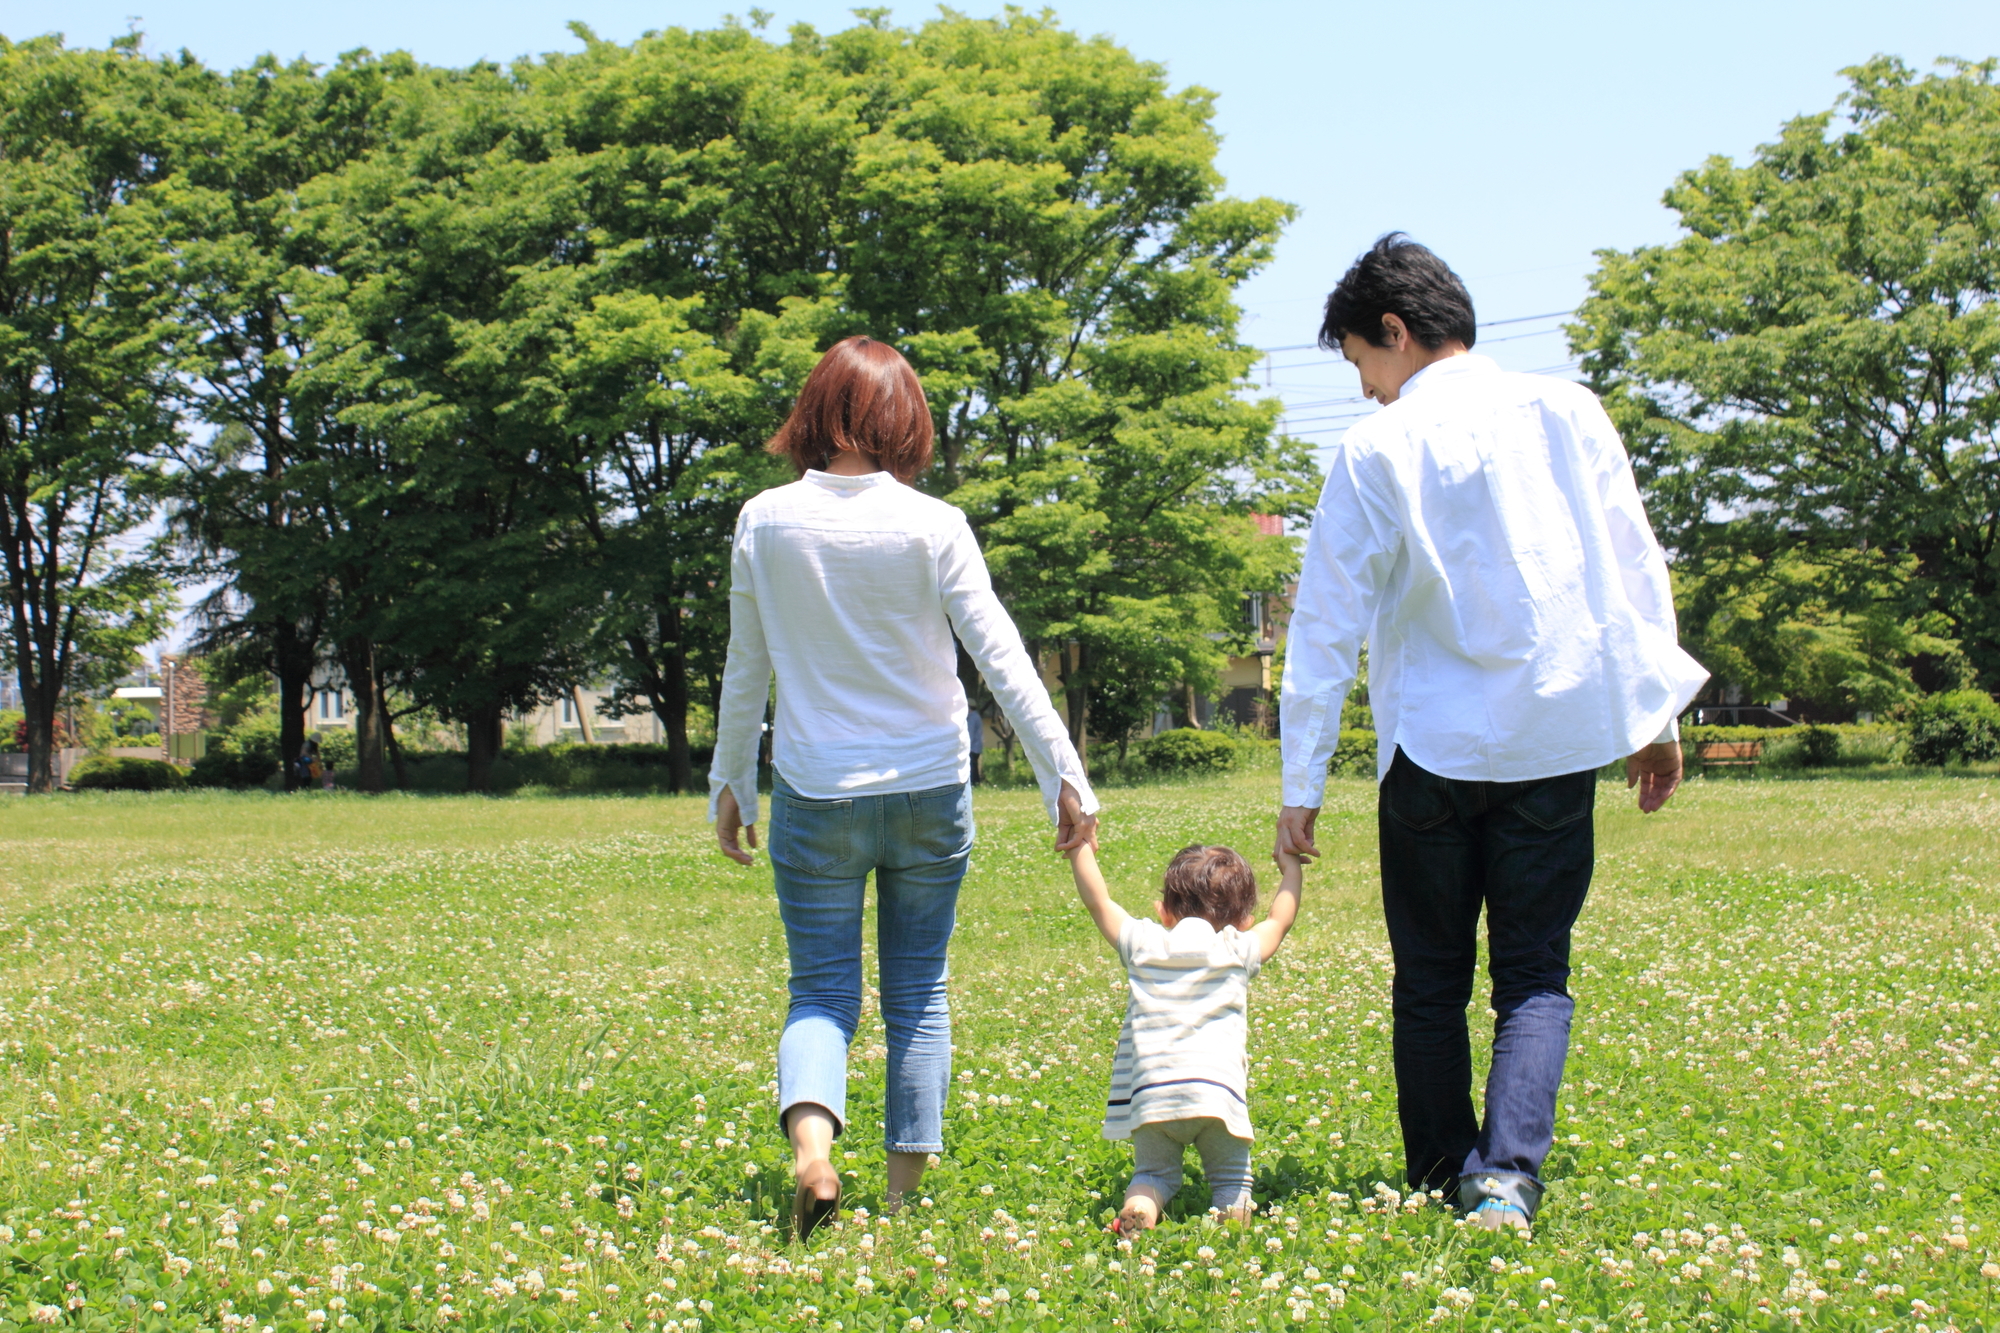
(1451, 367)
(1191, 934)
(839, 482)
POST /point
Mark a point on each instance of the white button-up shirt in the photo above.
(1484, 535)
(849, 588)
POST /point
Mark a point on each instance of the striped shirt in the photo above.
(1182, 1052)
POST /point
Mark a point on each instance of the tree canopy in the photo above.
(456, 379)
(1809, 380)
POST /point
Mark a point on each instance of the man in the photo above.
(1484, 535)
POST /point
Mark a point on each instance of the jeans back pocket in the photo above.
(812, 836)
(1554, 802)
(941, 826)
(1417, 797)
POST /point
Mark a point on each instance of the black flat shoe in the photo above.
(808, 1208)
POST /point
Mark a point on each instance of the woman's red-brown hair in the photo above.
(862, 396)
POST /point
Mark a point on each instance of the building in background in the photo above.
(577, 719)
(174, 693)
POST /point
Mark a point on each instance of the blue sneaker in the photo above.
(1493, 1214)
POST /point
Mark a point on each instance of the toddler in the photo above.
(1181, 1072)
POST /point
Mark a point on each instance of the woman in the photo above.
(849, 585)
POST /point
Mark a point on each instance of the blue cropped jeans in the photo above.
(822, 851)
(1522, 851)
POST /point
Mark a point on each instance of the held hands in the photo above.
(1074, 828)
(1295, 835)
(1656, 772)
(728, 822)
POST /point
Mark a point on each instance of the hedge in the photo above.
(121, 773)
(1187, 750)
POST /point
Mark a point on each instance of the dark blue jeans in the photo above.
(1523, 852)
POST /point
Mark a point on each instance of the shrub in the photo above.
(1957, 724)
(246, 755)
(1693, 736)
(336, 746)
(1354, 756)
(104, 773)
(1188, 750)
(1819, 747)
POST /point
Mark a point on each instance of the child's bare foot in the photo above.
(1138, 1214)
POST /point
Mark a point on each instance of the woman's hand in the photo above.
(1074, 828)
(728, 822)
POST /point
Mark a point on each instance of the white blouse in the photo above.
(849, 589)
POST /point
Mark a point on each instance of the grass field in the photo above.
(310, 1062)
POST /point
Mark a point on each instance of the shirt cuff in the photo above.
(746, 807)
(1052, 795)
(1672, 733)
(1300, 790)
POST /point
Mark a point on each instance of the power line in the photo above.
(1483, 324)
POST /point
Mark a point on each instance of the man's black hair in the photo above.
(1396, 276)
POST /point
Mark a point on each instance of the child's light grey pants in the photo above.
(1225, 1160)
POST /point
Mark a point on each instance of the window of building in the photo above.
(568, 711)
(332, 706)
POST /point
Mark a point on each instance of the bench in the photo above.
(1729, 754)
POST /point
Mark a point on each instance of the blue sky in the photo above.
(1514, 139)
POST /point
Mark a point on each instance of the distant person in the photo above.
(1180, 1075)
(307, 768)
(849, 585)
(1483, 534)
(975, 732)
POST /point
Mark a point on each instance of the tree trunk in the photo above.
(1076, 695)
(582, 717)
(357, 655)
(666, 682)
(39, 707)
(294, 660)
(680, 764)
(1193, 712)
(484, 729)
(395, 747)
(39, 671)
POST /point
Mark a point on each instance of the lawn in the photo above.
(332, 1062)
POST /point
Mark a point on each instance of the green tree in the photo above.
(1039, 222)
(662, 414)
(1783, 629)
(84, 286)
(1810, 371)
(250, 501)
(456, 258)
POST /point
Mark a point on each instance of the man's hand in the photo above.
(1295, 834)
(728, 822)
(1656, 772)
(1074, 828)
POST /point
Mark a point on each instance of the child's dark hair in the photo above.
(1213, 883)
